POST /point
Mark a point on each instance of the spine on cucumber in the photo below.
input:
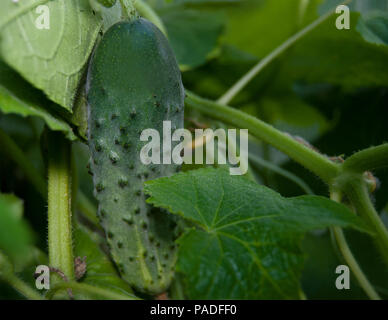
(133, 84)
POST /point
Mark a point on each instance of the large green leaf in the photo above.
(52, 59)
(18, 97)
(245, 244)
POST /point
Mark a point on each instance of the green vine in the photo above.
(369, 159)
(318, 163)
(128, 9)
(349, 257)
(356, 190)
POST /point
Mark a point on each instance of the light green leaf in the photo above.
(52, 59)
(18, 97)
(245, 244)
(100, 271)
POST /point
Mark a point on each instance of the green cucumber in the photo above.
(133, 84)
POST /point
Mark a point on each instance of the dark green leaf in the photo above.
(246, 241)
(193, 34)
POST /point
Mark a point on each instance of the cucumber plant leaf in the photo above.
(19, 97)
(53, 59)
(246, 237)
(100, 271)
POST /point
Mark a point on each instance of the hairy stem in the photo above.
(353, 265)
(349, 257)
(128, 9)
(357, 192)
(312, 160)
(240, 84)
(59, 205)
(368, 159)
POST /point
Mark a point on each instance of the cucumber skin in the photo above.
(133, 83)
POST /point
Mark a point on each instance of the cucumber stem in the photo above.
(59, 204)
(312, 160)
(349, 257)
(128, 10)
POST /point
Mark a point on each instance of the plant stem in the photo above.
(349, 257)
(22, 287)
(312, 160)
(353, 265)
(128, 9)
(240, 84)
(13, 151)
(368, 159)
(87, 288)
(59, 204)
(147, 12)
(357, 192)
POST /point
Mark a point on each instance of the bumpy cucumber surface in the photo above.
(134, 83)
